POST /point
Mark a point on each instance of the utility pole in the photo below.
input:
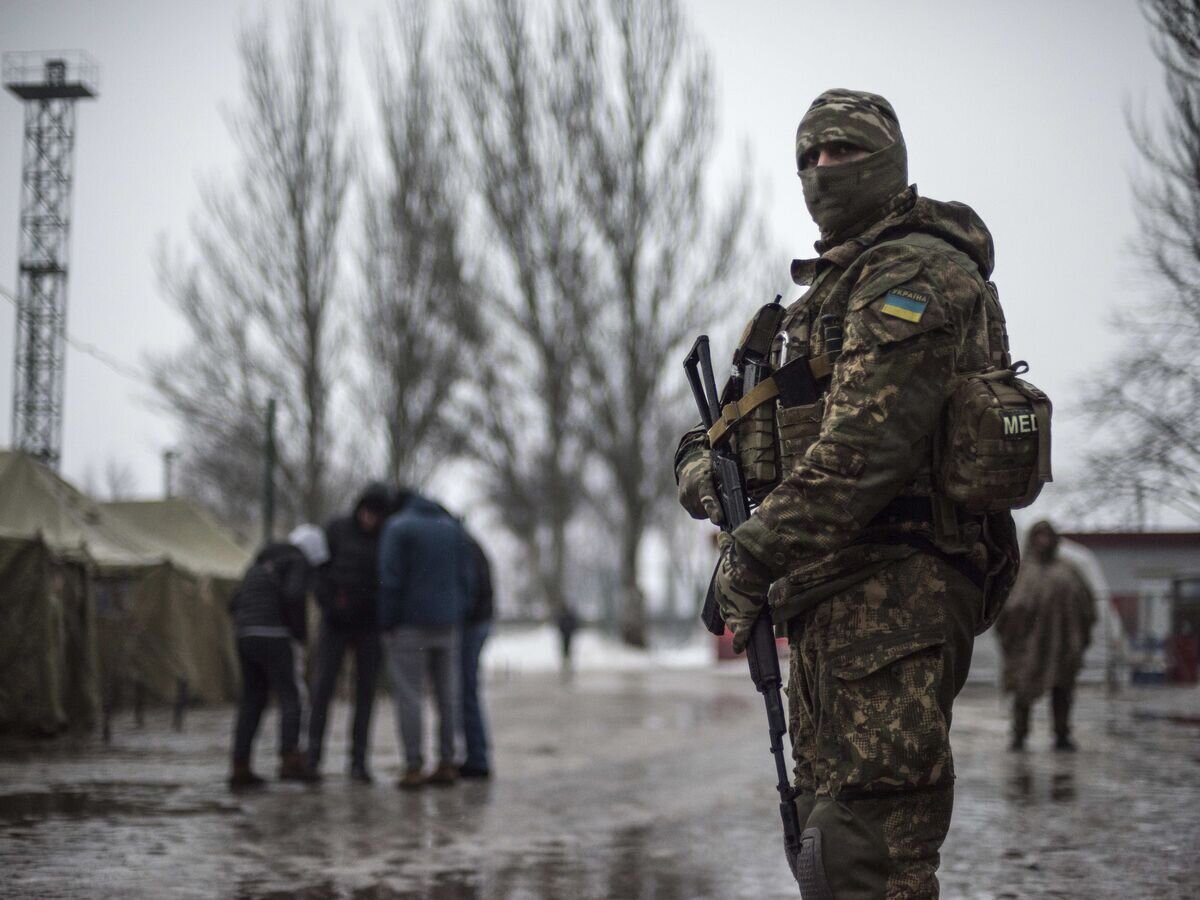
(269, 476)
(168, 457)
(49, 84)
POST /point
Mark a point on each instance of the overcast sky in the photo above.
(1015, 108)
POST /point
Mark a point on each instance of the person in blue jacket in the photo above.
(426, 587)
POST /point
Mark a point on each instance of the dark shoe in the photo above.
(241, 778)
(481, 772)
(444, 775)
(1065, 745)
(411, 780)
(359, 773)
(294, 767)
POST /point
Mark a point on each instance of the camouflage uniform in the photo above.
(1044, 630)
(880, 608)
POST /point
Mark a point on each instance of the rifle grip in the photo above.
(711, 614)
(762, 655)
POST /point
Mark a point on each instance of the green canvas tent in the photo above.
(48, 653)
(194, 543)
(155, 622)
(182, 532)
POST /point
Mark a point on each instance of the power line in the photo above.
(107, 359)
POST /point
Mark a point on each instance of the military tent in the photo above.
(194, 543)
(48, 661)
(148, 618)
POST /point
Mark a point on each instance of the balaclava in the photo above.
(845, 199)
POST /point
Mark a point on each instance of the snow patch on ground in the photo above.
(517, 649)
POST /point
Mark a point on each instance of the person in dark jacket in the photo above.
(269, 618)
(347, 592)
(567, 623)
(426, 586)
(476, 628)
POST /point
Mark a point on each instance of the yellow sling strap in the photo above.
(734, 413)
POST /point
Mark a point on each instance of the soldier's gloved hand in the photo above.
(697, 490)
(742, 583)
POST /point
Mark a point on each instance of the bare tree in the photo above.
(259, 293)
(1148, 399)
(418, 314)
(639, 118)
(217, 389)
(524, 418)
(119, 481)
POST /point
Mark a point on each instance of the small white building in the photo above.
(1152, 578)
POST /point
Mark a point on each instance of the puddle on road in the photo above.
(636, 861)
(107, 800)
(1173, 718)
(1027, 786)
(1062, 787)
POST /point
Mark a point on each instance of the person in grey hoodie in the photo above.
(426, 587)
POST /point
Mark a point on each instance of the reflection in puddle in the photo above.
(107, 800)
(1020, 784)
(1062, 787)
(1028, 787)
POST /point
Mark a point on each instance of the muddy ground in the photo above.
(630, 785)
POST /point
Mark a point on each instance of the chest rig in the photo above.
(977, 462)
(772, 425)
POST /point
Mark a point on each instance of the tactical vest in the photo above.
(990, 453)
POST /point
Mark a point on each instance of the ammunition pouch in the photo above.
(748, 419)
(993, 454)
(775, 423)
(799, 428)
(757, 446)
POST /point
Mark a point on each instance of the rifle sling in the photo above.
(736, 411)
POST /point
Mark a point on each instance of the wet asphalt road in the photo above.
(630, 785)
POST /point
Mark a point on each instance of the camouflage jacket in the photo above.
(1045, 627)
(908, 295)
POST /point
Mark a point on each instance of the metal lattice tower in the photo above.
(48, 84)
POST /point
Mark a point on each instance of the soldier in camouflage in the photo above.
(879, 584)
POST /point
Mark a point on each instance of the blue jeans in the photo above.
(474, 723)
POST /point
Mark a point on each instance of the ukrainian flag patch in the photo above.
(906, 305)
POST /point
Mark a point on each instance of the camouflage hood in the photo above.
(956, 223)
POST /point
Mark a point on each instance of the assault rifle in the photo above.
(761, 652)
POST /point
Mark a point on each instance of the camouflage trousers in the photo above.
(874, 673)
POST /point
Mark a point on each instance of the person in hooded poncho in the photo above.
(1044, 630)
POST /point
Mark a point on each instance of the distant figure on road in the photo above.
(476, 628)
(567, 623)
(348, 594)
(1044, 630)
(426, 586)
(269, 618)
